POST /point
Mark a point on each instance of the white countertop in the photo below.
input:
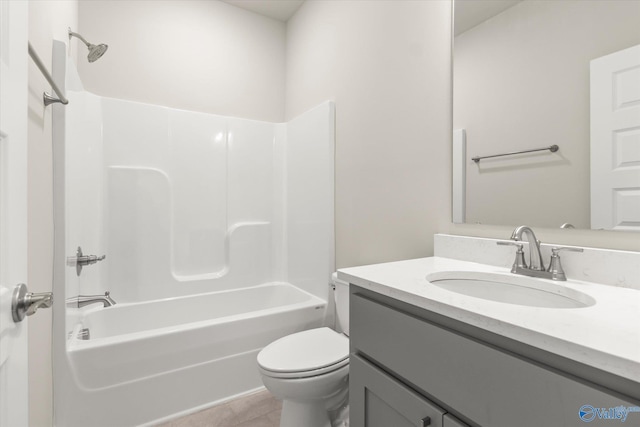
(605, 335)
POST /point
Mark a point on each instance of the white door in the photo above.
(13, 209)
(615, 141)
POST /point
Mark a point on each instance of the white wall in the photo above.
(387, 66)
(48, 20)
(521, 81)
(205, 56)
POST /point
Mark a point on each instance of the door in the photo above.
(378, 400)
(13, 209)
(615, 141)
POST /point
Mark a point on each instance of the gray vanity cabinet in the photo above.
(408, 363)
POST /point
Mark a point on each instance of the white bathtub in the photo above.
(153, 361)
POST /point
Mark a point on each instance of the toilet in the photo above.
(309, 370)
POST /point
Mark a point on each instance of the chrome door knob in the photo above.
(26, 303)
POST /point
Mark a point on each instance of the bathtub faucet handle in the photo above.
(80, 260)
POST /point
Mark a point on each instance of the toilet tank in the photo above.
(341, 298)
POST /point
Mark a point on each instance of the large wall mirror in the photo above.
(529, 75)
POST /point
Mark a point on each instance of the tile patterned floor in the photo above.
(259, 409)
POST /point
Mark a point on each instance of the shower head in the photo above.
(95, 51)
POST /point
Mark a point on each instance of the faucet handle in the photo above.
(555, 266)
(511, 243)
(519, 261)
(81, 260)
(556, 249)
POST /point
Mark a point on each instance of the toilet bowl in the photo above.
(309, 370)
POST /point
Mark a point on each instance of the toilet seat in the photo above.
(305, 354)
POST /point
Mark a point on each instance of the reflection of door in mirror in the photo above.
(615, 141)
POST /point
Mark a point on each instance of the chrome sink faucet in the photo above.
(536, 266)
(83, 300)
(535, 257)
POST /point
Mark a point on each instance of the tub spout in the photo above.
(82, 300)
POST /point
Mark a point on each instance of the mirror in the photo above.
(526, 77)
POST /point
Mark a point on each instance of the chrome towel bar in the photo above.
(48, 99)
(552, 148)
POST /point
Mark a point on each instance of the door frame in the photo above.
(14, 390)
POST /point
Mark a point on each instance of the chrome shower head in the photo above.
(95, 51)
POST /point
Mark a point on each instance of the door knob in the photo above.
(26, 303)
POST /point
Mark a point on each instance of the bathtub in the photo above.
(156, 360)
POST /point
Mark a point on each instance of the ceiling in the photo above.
(469, 13)
(276, 9)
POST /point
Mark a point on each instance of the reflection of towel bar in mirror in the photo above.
(552, 148)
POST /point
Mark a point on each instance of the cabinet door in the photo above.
(378, 400)
(451, 421)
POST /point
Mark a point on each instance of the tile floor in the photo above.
(259, 409)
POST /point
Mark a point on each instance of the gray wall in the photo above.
(387, 66)
(194, 55)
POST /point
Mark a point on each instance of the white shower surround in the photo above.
(184, 202)
(194, 212)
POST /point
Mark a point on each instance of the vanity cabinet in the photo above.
(406, 366)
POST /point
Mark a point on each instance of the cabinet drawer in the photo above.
(378, 400)
(485, 385)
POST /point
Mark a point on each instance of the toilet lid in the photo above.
(305, 351)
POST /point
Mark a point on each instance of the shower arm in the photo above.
(71, 33)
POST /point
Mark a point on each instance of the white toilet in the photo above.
(309, 370)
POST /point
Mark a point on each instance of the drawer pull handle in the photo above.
(426, 421)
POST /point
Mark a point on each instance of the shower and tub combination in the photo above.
(217, 237)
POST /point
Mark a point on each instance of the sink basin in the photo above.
(510, 289)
